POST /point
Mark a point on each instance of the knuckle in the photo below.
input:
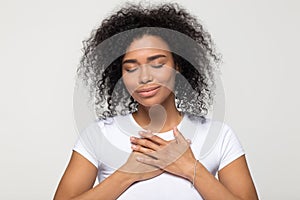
(150, 151)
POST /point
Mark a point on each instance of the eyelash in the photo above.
(130, 70)
(157, 66)
(154, 66)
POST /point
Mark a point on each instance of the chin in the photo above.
(149, 103)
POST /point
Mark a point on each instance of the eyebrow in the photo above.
(149, 59)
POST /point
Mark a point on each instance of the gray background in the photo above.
(40, 44)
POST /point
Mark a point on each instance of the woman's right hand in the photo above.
(140, 170)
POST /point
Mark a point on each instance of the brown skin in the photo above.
(78, 179)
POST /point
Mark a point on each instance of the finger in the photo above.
(178, 136)
(149, 161)
(142, 149)
(145, 143)
(154, 138)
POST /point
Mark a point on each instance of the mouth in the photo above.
(148, 92)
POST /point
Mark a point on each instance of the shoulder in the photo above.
(210, 126)
(98, 124)
(218, 128)
(94, 129)
(216, 136)
(116, 124)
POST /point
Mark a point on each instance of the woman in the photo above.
(136, 75)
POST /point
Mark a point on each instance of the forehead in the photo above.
(146, 46)
(148, 42)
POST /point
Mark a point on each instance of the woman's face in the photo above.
(148, 70)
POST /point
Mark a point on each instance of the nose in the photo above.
(145, 75)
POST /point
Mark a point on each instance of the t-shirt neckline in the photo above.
(160, 133)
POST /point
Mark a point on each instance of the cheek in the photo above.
(166, 77)
(130, 82)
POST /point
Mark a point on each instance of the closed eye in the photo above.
(135, 68)
(131, 70)
(157, 66)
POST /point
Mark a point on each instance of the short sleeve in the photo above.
(82, 150)
(87, 142)
(231, 148)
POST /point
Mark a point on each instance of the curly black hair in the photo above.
(191, 46)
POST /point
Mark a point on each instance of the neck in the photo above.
(160, 117)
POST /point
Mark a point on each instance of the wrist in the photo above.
(129, 178)
(191, 170)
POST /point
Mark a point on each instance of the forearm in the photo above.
(111, 188)
(207, 184)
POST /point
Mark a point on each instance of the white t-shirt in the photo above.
(107, 147)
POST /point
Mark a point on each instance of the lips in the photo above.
(148, 91)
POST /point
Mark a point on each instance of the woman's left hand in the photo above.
(173, 156)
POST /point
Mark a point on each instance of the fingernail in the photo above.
(133, 146)
(175, 130)
(141, 133)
